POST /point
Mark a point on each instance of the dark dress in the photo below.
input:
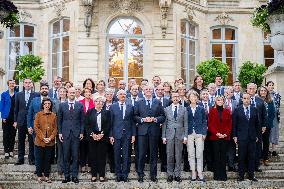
(97, 149)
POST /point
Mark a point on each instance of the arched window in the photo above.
(188, 51)
(268, 51)
(125, 49)
(21, 41)
(224, 48)
(59, 39)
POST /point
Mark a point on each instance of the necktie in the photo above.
(55, 94)
(247, 113)
(206, 106)
(27, 97)
(219, 92)
(133, 102)
(149, 105)
(212, 100)
(121, 109)
(71, 107)
(175, 113)
(252, 102)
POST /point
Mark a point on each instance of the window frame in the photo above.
(59, 36)
(189, 38)
(21, 39)
(266, 41)
(126, 38)
(224, 42)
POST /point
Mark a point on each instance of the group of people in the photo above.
(83, 128)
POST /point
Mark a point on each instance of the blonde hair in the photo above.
(219, 97)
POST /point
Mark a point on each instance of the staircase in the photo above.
(22, 176)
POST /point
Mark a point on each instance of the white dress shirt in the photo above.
(124, 107)
(69, 104)
(99, 121)
(174, 107)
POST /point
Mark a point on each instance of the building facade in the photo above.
(78, 39)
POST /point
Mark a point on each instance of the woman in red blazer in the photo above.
(88, 104)
(219, 126)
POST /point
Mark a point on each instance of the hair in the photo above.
(101, 81)
(102, 97)
(218, 97)
(203, 91)
(71, 83)
(10, 80)
(64, 89)
(87, 89)
(194, 81)
(268, 98)
(268, 82)
(109, 79)
(237, 81)
(249, 84)
(109, 90)
(93, 83)
(26, 79)
(134, 86)
(45, 100)
(58, 77)
(179, 79)
(144, 79)
(43, 84)
(192, 92)
(218, 76)
(165, 84)
(157, 77)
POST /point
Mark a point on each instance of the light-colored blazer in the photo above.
(181, 124)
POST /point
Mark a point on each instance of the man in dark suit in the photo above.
(149, 114)
(122, 134)
(219, 88)
(22, 103)
(246, 132)
(53, 92)
(262, 116)
(162, 147)
(238, 95)
(71, 129)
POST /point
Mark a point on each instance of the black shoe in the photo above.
(253, 179)
(258, 170)
(140, 179)
(154, 179)
(31, 162)
(19, 163)
(274, 153)
(170, 179)
(178, 179)
(186, 169)
(118, 179)
(163, 170)
(232, 169)
(66, 180)
(75, 180)
(240, 179)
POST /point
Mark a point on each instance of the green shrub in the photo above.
(211, 68)
(251, 73)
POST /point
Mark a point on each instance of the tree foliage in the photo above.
(251, 72)
(30, 66)
(211, 68)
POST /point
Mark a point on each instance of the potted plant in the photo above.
(211, 68)
(251, 72)
(30, 66)
(8, 13)
(270, 18)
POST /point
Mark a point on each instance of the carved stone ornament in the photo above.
(59, 7)
(24, 16)
(224, 18)
(88, 9)
(126, 6)
(189, 10)
(164, 9)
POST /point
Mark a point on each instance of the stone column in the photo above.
(275, 72)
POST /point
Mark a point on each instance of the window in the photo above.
(21, 41)
(125, 49)
(223, 47)
(268, 51)
(60, 31)
(188, 51)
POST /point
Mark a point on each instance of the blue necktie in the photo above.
(55, 94)
(149, 105)
(121, 109)
(175, 113)
(252, 102)
(247, 113)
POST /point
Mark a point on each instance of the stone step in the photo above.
(25, 176)
(271, 183)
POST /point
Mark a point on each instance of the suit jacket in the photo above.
(141, 110)
(34, 108)
(220, 91)
(21, 109)
(120, 124)
(71, 121)
(181, 124)
(166, 102)
(91, 125)
(50, 93)
(216, 126)
(5, 104)
(243, 128)
(241, 96)
(234, 105)
(198, 122)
